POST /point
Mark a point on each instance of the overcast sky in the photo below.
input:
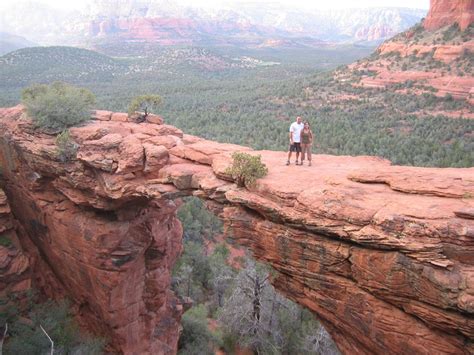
(322, 4)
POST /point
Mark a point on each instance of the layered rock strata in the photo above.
(382, 254)
(113, 261)
(447, 12)
(431, 58)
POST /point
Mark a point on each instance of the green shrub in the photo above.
(145, 103)
(66, 147)
(26, 337)
(196, 338)
(229, 342)
(57, 106)
(5, 241)
(451, 32)
(246, 169)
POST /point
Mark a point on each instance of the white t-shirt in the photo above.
(296, 128)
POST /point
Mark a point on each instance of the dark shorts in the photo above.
(295, 147)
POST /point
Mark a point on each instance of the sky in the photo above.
(309, 4)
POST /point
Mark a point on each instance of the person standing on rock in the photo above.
(306, 142)
(295, 139)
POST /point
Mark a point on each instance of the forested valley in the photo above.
(251, 97)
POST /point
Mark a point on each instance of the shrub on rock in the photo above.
(246, 169)
(145, 103)
(57, 106)
(66, 147)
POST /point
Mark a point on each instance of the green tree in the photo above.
(196, 338)
(222, 273)
(192, 272)
(57, 106)
(25, 335)
(246, 169)
(145, 103)
(255, 316)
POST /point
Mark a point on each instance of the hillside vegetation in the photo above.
(254, 105)
(10, 42)
(46, 64)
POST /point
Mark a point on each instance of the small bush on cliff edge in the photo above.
(66, 147)
(146, 103)
(246, 169)
(57, 106)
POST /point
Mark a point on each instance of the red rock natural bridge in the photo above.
(382, 254)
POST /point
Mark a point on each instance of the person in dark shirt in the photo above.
(306, 142)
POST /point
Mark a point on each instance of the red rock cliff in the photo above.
(446, 12)
(114, 260)
(384, 255)
(15, 270)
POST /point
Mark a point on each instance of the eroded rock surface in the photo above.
(15, 270)
(447, 12)
(383, 254)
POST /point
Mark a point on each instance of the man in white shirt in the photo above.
(295, 139)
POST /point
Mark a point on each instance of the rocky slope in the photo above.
(433, 57)
(382, 254)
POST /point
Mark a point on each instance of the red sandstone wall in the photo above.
(115, 265)
(447, 12)
(15, 266)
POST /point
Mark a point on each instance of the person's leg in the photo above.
(303, 151)
(298, 151)
(309, 153)
(290, 150)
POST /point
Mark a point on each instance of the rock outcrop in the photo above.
(114, 262)
(430, 58)
(384, 255)
(446, 12)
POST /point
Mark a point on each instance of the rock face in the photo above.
(15, 270)
(384, 255)
(114, 261)
(447, 12)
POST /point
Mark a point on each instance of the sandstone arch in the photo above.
(384, 255)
